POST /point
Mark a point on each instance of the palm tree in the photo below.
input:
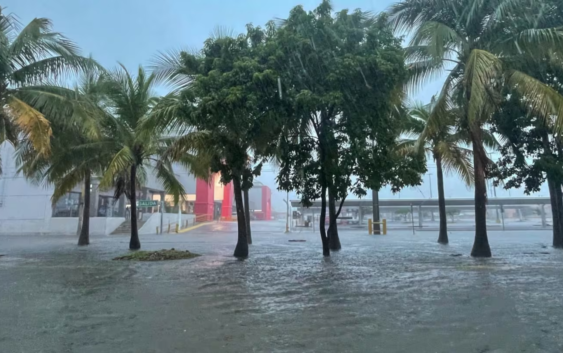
(75, 155)
(129, 133)
(29, 57)
(438, 137)
(478, 42)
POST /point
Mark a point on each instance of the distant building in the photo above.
(260, 201)
(26, 208)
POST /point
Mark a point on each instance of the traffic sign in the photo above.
(147, 203)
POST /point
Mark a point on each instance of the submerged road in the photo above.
(394, 293)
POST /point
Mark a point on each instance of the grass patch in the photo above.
(159, 255)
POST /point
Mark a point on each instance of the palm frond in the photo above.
(120, 163)
(32, 123)
(438, 38)
(165, 173)
(456, 160)
(170, 68)
(483, 69)
(56, 67)
(221, 32)
(65, 184)
(539, 97)
(36, 41)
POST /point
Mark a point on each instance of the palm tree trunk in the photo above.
(556, 212)
(134, 243)
(333, 239)
(481, 246)
(247, 216)
(80, 212)
(443, 235)
(84, 238)
(322, 220)
(559, 196)
(241, 250)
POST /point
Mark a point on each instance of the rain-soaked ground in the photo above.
(394, 293)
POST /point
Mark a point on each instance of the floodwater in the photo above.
(394, 293)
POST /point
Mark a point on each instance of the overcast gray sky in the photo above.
(133, 31)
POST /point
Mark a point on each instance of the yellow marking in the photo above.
(193, 227)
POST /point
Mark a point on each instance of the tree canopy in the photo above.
(343, 75)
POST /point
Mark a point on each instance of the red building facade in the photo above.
(206, 200)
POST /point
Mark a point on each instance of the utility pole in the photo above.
(179, 216)
(496, 209)
(430, 184)
(287, 213)
(161, 215)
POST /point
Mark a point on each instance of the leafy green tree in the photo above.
(29, 56)
(137, 148)
(532, 153)
(479, 43)
(533, 149)
(342, 74)
(228, 111)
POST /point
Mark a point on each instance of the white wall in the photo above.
(19, 199)
(59, 226)
(154, 221)
(26, 208)
(187, 180)
(104, 225)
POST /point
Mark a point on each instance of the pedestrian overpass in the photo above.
(499, 205)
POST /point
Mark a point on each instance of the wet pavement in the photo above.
(394, 293)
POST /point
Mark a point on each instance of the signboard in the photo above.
(147, 203)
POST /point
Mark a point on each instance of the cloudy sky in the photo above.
(133, 31)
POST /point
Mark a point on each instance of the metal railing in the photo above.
(175, 227)
(383, 223)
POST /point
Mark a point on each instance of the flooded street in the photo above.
(394, 293)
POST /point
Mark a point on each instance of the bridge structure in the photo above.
(420, 205)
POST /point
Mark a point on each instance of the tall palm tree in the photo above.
(30, 56)
(75, 154)
(138, 148)
(439, 138)
(478, 42)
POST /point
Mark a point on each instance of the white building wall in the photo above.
(187, 180)
(26, 208)
(22, 204)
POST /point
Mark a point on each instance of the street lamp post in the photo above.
(430, 184)
(287, 213)
(495, 194)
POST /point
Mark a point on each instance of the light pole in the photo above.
(430, 184)
(495, 194)
(287, 213)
